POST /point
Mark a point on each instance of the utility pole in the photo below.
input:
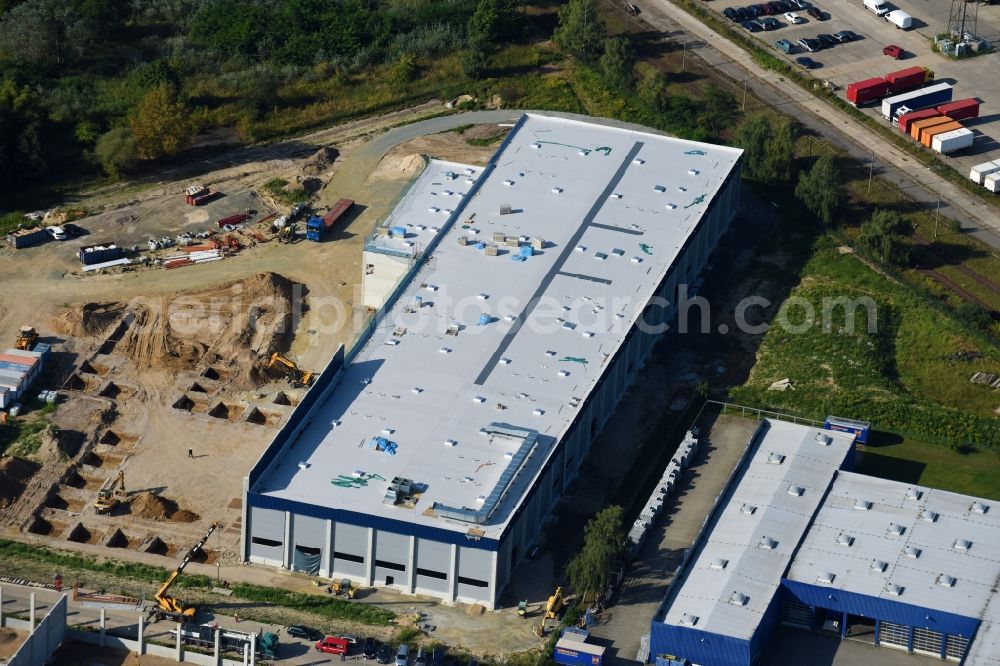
(747, 76)
(684, 54)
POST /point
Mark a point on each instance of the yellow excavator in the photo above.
(26, 338)
(171, 607)
(288, 367)
(111, 493)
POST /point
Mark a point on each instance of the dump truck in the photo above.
(318, 227)
(26, 338)
(111, 493)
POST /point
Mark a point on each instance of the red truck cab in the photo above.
(332, 645)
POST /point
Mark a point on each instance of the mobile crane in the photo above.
(287, 366)
(111, 493)
(172, 607)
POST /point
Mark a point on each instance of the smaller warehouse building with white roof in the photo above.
(798, 539)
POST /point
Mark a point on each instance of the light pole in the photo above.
(745, 78)
(937, 215)
(684, 54)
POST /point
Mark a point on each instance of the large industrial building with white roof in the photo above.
(510, 308)
(798, 539)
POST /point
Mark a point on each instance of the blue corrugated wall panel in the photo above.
(881, 609)
(768, 622)
(700, 647)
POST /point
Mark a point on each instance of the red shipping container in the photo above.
(869, 90)
(903, 121)
(960, 110)
(908, 79)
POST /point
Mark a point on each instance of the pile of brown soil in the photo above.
(14, 475)
(153, 507)
(236, 325)
(89, 319)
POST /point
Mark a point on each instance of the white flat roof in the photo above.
(946, 532)
(737, 568)
(614, 207)
(424, 208)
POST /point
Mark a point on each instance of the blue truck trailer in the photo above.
(939, 93)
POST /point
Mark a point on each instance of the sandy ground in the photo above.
(10, 641)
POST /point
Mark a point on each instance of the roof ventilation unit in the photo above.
(688, 620)
(944, 580)
(767, 543)
(963, 545)
(845, 540)
(911, 552)
(775, 458)
(862, 505)
(895, 530)
(894, 590)
(928, 516)
(823, 439)
(879, 565)
(739, 599)
(718, 564)
(826, 577)
(979, 507)
(914, 494)
(748, 509)
(795, 490)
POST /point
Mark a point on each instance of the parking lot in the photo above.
(863, 58)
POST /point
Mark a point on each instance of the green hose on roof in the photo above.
(574, 359)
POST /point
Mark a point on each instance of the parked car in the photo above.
(801, 4)
(437, 657)
(826, 41)
(751, 26)
(350, 638)
(793, 18)
(785, 5)
(775, 7)
(403, 655)
(755, 10)
(845, 36)
(769, 23)
(730, 14)
(742, 15)
(384, 654)
(893, 51)
(421, 659)
(807, 62)
(370, 648)
(810, 45)
(784, 45)
(57, 232)
(333, 645)
(299, 631)
(816, 13)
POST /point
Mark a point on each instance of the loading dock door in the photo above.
(794, 614)
(927, 642)
(894, 635)
(307, 559)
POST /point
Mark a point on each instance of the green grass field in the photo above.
(913, 461)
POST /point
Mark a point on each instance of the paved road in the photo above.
(891, 163)
(684, 513)
(16, 599)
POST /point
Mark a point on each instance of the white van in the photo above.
(900, 19)
(877, 6)
(57, 233)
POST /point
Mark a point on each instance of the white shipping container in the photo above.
(980, 171)
(992, 182)
(949, 142)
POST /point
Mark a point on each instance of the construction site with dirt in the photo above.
(171, 370)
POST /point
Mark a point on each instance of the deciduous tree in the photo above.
(617, 61)
(161, 124)
(768, 147)
(603, 542)
(819, 189)
(580, 30)
(884, 237)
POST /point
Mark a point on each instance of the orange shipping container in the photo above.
(26, 361)
(928, 134)
(918, 126)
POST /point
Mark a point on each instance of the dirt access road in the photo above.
(891, 163)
